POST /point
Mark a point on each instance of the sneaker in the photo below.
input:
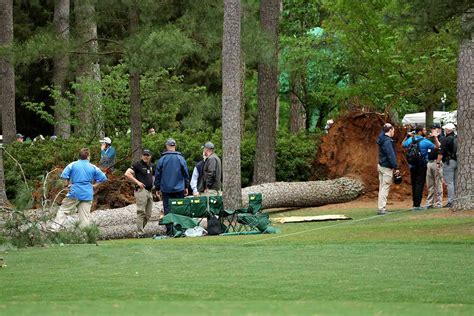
(382, 212)
(448, 205)
(427, 207)
(418, 208)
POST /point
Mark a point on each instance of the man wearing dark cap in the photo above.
(211, 181)
(434, 171)
(171, 177)
(20, 138)
(141, 174)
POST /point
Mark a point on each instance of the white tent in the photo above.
(420, 118)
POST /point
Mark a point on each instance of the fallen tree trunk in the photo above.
(306, 194)
(120, 223)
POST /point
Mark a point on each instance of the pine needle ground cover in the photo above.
(403, 263)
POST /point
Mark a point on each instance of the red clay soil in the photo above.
(350, 149)
(116, 192)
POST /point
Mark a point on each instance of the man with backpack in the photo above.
(387, 166)
(417, 156)
(448, 151)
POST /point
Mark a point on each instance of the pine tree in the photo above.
(7, 73)
(62, 113)
(88, 69)
(267, 94)
(231, 103)
(135, 99)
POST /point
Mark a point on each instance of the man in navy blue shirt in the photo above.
(387, 166)
(80, 175)
(418, 172)
(171, 177)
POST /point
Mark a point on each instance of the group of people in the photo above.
(437, 164)
(168, 179)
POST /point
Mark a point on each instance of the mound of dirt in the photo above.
(115, 193)
(349, 149)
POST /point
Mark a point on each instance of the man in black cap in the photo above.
(211, 180)
(141, 174)
(171, 177)
(434, 170)
(20, 138)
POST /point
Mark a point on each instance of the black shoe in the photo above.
(382, 212)
(448, 205)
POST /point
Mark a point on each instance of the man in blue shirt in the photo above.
(107, 154)
(418, 172)
(171, 177)
(80, 176)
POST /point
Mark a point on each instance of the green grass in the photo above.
(390, 265)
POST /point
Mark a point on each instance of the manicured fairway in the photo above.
(404, 263)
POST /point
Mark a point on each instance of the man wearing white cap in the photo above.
(107, 153)
(448, 151)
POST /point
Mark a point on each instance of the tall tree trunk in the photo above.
(429, 116)
(7, 74)
(135, 99)
(465, 90)
(297, 112)
(88, 69)
(242, 96)
(265, 155)
(3, 189)
(231, 104)
(62, 112)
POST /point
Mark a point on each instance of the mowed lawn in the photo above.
(404, 263)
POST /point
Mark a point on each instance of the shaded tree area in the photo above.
(90, 68)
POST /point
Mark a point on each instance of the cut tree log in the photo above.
(305, 194)
(120, 223)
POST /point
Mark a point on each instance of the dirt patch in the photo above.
(115, 193)
(349, 149)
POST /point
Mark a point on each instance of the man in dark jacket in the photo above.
(211, 181)
(387, 166)
(448, 153)
(171, 177)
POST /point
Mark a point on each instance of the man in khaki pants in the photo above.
(141, 174)
(434, 171)
(81, 175)
(387, 166)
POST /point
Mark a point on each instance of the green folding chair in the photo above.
(180, 206)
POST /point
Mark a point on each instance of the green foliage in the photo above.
(295, 154)
(387, 68)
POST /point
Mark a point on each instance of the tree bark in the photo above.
(429, 116)
(231, 104)
(62, 112)
(135, 98)
(306, 194)
(297, 113)
(88, 69)
(267, 91)
(3, 189)
(7, 74)
(465, 93)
